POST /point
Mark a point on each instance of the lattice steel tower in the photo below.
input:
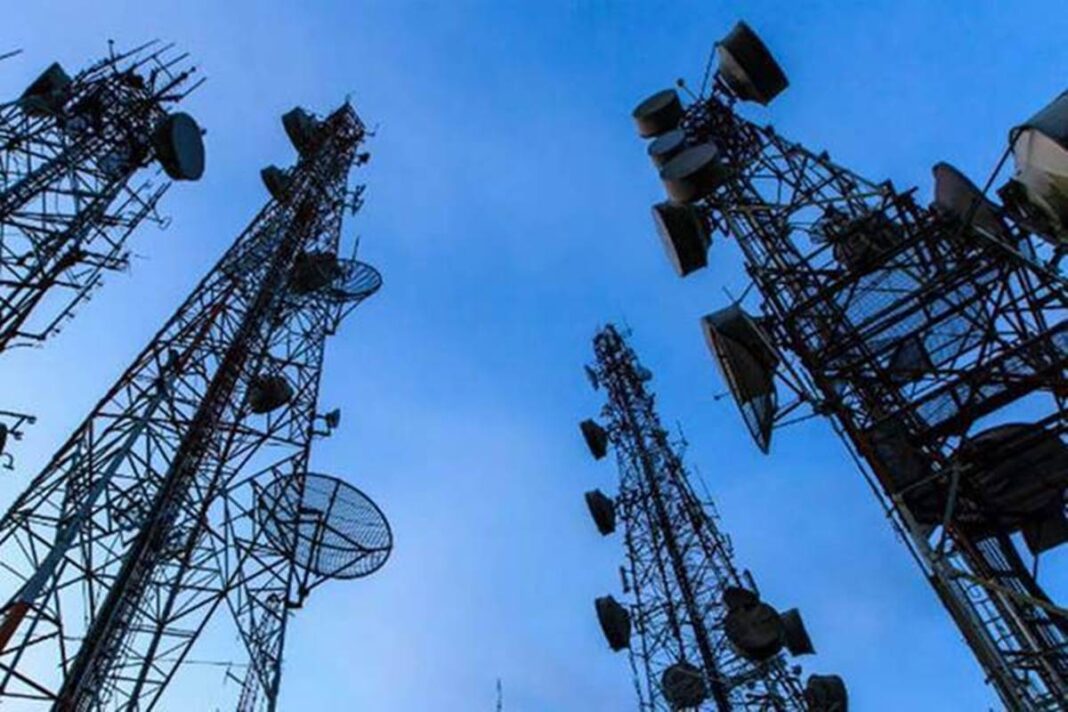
(70, 150)
(704, 637)
(187, 488)
(934, 337)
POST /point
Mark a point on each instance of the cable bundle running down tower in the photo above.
(703, 632)
(927, 334)
(69, 151)
(187, 488)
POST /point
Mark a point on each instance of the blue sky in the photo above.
(508, 212)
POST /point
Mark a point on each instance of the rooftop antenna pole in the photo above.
(188, 487)
(74, 151)
(705, 639)
(913, 328)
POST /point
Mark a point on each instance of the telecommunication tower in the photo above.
(935, 338)
(188, 487)
(704, 636)
(70, 150)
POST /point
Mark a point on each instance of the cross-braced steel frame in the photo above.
(68, 196)
(988, 307)
(148, 519)
(679, 562)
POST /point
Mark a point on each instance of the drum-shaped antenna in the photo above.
(693, 173)
(324, 525)
(591, 376)
(748, 365)
(276, 181)
(4, 432)
(666, 146)
(1040, 149)
(794, 633)
(826, 693)
(684, 686)
(615, 622)
(756, 631)
(957, 197)
(596, 438)
(1015, 477)
(268, 392)
(179, 145)
(684, 234)
(603, 511)
(46, 94)
(658, 114)
(748, 67)
(738, 597)
(301, 128)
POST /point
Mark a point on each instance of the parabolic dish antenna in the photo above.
(748, 67)
(748, 365)
(326, 526)
(179, 147)
(1040, 149)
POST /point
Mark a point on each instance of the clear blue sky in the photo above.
(508, 212)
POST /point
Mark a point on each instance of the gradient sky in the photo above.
(508, 212)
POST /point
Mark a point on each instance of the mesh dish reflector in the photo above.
(615, 622)
(684, 234)
(684, 686)
(755, 631)
(47, 93)
(603, 511)
(275, 181)
(826, 693)
(957, 197)
(796, 637)
(1040, 150)
(693, 173)
(748, 366)
(658, 113)
(748, 67)
(596, 438)
(324, 525)
(179, 145)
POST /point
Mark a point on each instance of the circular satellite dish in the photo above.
(358, 281)
(603, 511)
(957, 197)
(275, 181)
(738, 597)
(658, 114)
(326, 526)
(826, 693)
(756, 631)
(615, 622)
(268, 392)
(666, 146)
(684, 234)
(693, 173)
(46, 94)
(748, 67)
(1040, 150)
(302, 128)
(179, 146)
(684, 686)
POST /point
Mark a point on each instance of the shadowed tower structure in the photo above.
(187, 489)
(703, 638)
(935, 337)
(71, 151)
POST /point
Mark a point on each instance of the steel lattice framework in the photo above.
(70, 149)
(165, 504)
(915, 330)
(679, 563)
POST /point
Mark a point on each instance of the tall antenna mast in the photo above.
(915, 329)
(705, 639)
(188, 487)
(71, 151)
